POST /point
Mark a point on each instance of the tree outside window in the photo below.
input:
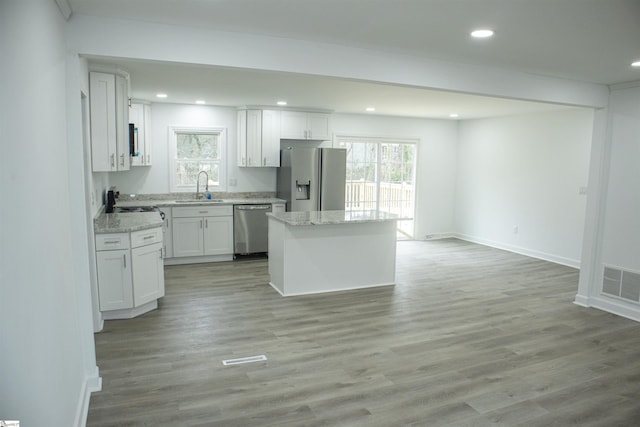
(193, 151)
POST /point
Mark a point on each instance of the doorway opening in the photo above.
(381, 176)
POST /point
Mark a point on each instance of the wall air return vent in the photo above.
(621, 283)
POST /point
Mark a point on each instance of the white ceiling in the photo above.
(587, 40)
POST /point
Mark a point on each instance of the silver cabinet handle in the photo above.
(113, 161)
(200, 223)
(122, 160)
(160, 250)
(206, 223)
(124, 260)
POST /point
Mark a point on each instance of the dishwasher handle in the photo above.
(252, 207)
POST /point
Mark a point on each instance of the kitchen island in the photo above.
(326, 251)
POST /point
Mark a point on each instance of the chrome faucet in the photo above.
(198, 196)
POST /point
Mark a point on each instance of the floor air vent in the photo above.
(621, 283)
(242, 360)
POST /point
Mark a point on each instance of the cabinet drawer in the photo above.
(146, 237)
(112, 241)
(195, 211)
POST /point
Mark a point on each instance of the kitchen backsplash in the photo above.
(188, 196)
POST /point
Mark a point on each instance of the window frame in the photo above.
(221, 132)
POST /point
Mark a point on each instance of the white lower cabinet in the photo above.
(218, 235)
(278, 207)
(202, 231)
(114, 279)
(167, 234)
(188, 236)
(148, 273)
(130, 272)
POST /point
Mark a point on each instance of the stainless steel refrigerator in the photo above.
(312, 179)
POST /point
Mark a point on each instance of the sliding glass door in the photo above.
(381, 175)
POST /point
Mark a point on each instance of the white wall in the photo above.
(616, 225)
(622, 214)
(525, 172)
(436, 163)
(155, 179)
(46, 356)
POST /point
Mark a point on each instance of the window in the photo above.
(381, 175)
(193, 150)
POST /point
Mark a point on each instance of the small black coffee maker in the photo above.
(112, 195)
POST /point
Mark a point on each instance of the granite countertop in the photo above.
(125, 222)
(332, 217)
(121, 202)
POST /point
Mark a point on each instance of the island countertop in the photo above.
(331, 217)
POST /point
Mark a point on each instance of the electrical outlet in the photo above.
(515, 229)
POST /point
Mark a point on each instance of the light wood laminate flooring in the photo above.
(469, 336)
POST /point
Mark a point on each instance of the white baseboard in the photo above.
(615, 307)
(574, 263)
(91, 384)
(582, 301)
(130, 313)
(295, 294)
(197, 259)
(438, 236)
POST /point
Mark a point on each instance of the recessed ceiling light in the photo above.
(161, 95)
(200, 102)
(370, 109)
(482, 33)
(635, 64)
(282, 102)
(454, 115)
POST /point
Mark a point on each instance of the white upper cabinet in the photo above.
(305, 126)
(139, 116)
(109, 104)
(271, 138)
(258, 138)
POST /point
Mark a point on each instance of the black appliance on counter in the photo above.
(112, 195)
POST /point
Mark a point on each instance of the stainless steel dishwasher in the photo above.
(250, 229)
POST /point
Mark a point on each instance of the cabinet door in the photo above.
(146, 146)
(187, 236)
(270, 138)
(254, 138)
(218, 235)
(148, 273)
(122, 123)
(139, 116)
(102, 102)
(167, 233)
(293, 125)
(242, 138)
(114, 279)
(318, 126)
